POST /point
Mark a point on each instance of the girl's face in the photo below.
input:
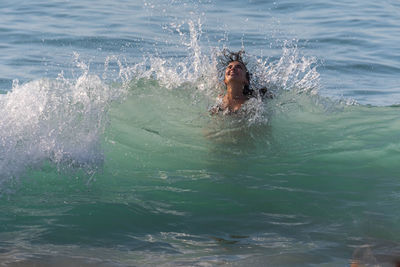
(236, 72)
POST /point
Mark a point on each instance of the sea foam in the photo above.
(58, 120)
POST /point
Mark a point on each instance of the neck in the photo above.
(235, 92)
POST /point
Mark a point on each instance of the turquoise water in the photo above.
(109, 157)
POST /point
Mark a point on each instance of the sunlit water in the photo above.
(109, 156)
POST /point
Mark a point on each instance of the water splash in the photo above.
(58, 120)
(197, 67)
(200, 72)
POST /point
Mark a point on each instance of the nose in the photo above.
(234, 68)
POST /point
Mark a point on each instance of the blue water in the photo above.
(109, 157)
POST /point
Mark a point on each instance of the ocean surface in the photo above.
(110, 157)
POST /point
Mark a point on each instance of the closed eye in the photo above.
(235, 66)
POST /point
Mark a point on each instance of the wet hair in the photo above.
(227, 57)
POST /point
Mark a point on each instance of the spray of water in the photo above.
(59, 120)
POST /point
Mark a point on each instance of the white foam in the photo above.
(60, 120)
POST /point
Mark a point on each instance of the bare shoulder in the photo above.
(218, 106)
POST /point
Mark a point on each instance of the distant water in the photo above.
(109, 157)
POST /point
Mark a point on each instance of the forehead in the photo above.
(233, 63)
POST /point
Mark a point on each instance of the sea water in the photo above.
(109, 156)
